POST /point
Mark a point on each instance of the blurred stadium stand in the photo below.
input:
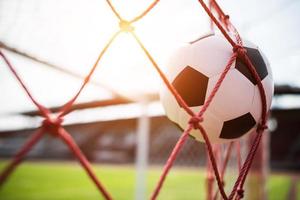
(114, 141)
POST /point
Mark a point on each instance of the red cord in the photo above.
(209, 178)
(196, 124)
(67, 138)
(17, 159)
(170, 161)
(171, 88)
(224, 165)
(44, 111)
(217, 23)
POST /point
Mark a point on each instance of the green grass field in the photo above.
(68, 181)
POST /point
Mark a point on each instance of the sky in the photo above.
(71, 33)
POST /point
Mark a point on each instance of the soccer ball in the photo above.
(236, 109)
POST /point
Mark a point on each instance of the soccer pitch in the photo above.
(68, 181)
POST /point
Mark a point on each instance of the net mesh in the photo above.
(217, 162)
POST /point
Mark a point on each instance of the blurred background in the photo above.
(118, 121)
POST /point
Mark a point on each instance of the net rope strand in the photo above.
(114, 10)
(245, 169)
(145, 12)
(224, 165)
(69, 104)
(54, 125)
(220, 27)
(44, 111)
(178, 98)
(217, 147)
(229, 27)
(18, 158)
(224, 19)
(209, 179)
(67, 138)
(61, 69)
(182, 139)
(136, 18)
(49, 124)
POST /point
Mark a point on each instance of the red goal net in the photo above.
(52, 123)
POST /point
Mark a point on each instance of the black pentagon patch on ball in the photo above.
(258, 63)
(237, 127)
(191, 85)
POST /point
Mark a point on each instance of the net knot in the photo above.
(195, 120)
(52, 124)
(240, 193)
(261, 127)
(240, 50)
(126, 26)
(226, 20)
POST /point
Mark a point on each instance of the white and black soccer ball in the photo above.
(236, 109)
